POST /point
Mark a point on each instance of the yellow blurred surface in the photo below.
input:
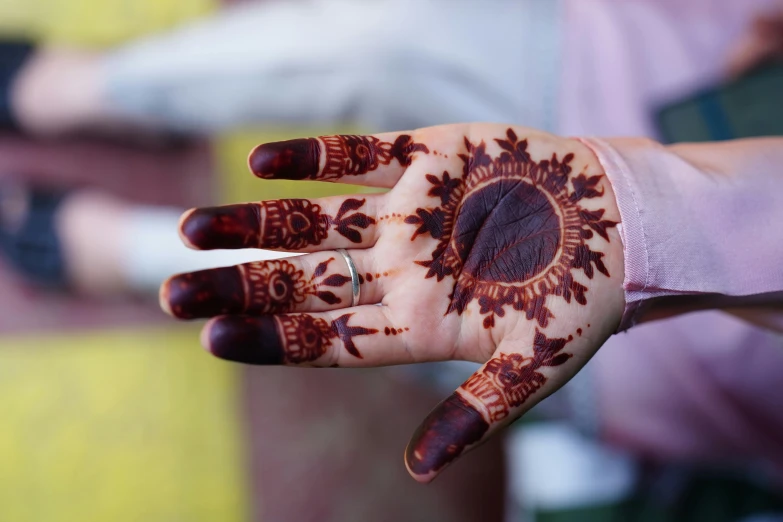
(127, 425)
(96, 22)
(121, 426)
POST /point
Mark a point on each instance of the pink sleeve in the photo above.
(702, 224)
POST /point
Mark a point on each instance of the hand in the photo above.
(762, 43)
(495, 244)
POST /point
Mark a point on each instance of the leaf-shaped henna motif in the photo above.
(346, 333)
(306, 338)
(429, 221)
(347, 224)
(443, 188)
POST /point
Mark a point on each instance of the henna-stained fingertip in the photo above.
(450, 428)
(292, 159)
(243, 339)
(203, 294)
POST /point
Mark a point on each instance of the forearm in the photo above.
(700, 224)
(386, 64)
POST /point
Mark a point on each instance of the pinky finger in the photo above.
(353, 337)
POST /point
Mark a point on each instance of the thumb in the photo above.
(507, 386)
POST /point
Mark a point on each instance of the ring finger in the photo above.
(314, 282)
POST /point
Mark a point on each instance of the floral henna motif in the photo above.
(286, 224)
(509, 380)
(357, 155)
(345, 155)
(275, 287)
(283, 339)
(511, 230)
(304, 338)
(293, 224)
(266, 287)
(505, 382)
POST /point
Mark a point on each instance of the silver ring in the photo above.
(355, 288)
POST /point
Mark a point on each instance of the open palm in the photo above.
(495, 244)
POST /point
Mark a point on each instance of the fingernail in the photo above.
(292, 159)
(250, 340)
(229, 227)
(163, 298)
(205, 293)
(451, 427)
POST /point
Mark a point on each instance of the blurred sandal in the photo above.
(29, 240)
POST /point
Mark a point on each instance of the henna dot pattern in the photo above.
(395, 331)
(511, 230)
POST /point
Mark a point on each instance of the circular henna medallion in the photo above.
(511, 231)
(515, 239)
(274, 286)
(507, 231)
(281, 287)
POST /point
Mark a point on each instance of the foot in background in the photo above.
(93, 243)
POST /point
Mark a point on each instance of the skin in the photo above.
(495, 244)
(762, 43)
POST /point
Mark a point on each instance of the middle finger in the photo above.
(303, 225)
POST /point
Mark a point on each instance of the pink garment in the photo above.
(624, 58)
(704, 387)
(697, 220)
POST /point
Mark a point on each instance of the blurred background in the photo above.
(111, 411)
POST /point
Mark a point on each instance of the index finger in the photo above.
(375, 160)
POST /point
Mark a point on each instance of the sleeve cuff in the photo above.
(631, 228)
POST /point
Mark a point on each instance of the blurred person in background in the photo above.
(570, 67)
(538, 63)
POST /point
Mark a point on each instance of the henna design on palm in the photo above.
(501, 230)
(511, 231)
